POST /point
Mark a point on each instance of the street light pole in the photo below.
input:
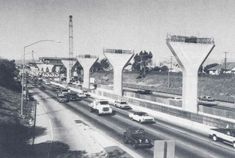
(23, 72)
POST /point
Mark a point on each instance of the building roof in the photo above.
(229, 66)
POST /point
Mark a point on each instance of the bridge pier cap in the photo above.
(190, 52)
(86, 62)
(69, 64)
(118, 59)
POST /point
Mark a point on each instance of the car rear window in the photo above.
(104, 102)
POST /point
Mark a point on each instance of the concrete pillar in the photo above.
(41, 67)
(68, 65)
(118, 59)
(164, 149)
(86, 62)
(50, 67)
(190, 52)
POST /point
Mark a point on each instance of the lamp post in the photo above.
(23, 71)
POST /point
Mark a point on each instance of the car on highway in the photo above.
(47, 82)
(141, 117)
(121, 105)
(143, 91)
(101, 106)
(206, 100)
(86, 93)
(81, 95)
(178, 99)
(64, 91)
(226, 135)
(62, 98)
(72, 96)
(137, 138)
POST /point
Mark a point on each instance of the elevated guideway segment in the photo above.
(43, 67)
(86, 62)
(69, 64)
(190, 52)
(118, 59)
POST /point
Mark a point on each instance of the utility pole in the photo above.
(225, 60)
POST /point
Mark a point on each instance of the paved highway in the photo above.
(188, 143)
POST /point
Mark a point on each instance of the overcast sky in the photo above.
(122, 24)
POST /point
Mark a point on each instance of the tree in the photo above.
(141, 61)
(9, 73)
(106, 66)
(96, 67)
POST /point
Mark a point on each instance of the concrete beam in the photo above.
(190, 52)
(118, 59)
(68, 63)
(86, 62)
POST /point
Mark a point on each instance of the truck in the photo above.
(100, 107)
(137, 138)
(226, 135)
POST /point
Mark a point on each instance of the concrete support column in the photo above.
(118, 59)
(189, 90)
(86, 61)
(190, 52)
(86, 78)
(68, 66)
(117, 80)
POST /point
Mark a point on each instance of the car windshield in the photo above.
(104, 102)
(123, 102)
(141, 114)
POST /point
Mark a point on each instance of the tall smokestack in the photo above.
(70, 43)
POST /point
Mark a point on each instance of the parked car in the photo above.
(226, 135)
(137, 138)
(121, 105)
(141, 117)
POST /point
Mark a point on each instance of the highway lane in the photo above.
(220, 104)
(199, 147)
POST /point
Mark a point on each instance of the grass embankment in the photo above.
(13, 133)
(220, 87)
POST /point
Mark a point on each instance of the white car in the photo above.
(223, 134)
(81, 95)
(141, 117)
(121, 104)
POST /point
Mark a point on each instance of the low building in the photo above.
(229, 68)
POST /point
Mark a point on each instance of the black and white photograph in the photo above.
(117, 79)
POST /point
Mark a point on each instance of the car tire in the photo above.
(214, 138)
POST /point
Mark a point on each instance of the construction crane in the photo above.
(70, 44)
